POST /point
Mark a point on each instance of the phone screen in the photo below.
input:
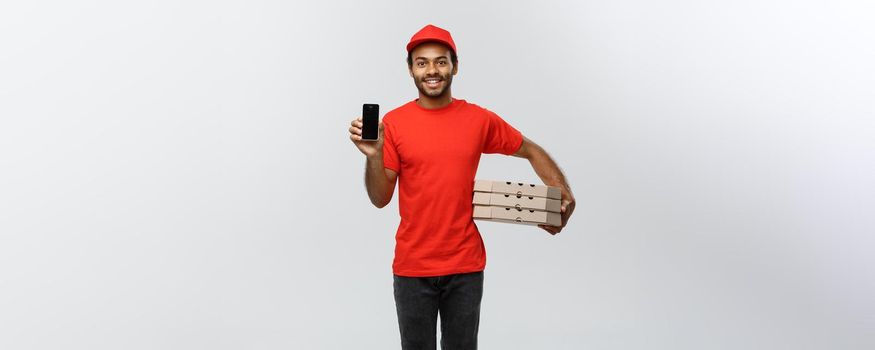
(370, 121)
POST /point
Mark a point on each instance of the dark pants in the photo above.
(418, 301)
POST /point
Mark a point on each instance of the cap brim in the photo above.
(413, 44)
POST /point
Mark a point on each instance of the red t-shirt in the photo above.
(436, 153)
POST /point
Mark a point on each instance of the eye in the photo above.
(443, 63)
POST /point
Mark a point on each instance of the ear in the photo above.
(456, 68)
(410, 71)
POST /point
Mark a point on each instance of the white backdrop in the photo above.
(177, 174)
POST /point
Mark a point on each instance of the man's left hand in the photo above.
(566, 210)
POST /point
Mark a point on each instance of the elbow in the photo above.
(380, 197)
(380, 203)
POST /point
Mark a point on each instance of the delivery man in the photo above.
(431, 146)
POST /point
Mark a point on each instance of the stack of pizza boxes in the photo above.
(516, 202)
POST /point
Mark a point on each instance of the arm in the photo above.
(551, 175)
(379, 180)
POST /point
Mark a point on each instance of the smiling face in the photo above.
(432, 70)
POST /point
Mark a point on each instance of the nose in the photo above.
(431, 67)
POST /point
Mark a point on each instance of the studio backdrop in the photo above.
(178, 174)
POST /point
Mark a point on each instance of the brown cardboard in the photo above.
(517, 188)
(517, 216)
(517, 201)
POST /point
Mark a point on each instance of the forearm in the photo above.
(551, 175)
(547, 169)
(377, 182)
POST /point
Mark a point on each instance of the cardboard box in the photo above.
(517, 188)
(517, 201)
(518, 216)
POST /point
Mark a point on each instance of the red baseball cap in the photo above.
(431, 33)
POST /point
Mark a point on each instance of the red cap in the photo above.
(431, 33)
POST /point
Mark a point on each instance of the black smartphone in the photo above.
(370, 121)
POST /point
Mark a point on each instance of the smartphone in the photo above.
(370, 121)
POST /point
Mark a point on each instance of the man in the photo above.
(432, 147)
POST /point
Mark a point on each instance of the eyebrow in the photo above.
(426, 58)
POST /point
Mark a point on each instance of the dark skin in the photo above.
(431, 62)
(432, 72)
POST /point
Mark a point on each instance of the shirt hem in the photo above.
(436, 273)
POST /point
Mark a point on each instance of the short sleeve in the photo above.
(501, 137)
(390, 152)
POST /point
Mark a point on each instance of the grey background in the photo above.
(177, 174)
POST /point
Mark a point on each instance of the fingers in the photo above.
(356, 126)
(355, 129)
(553, 230)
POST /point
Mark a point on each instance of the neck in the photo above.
(436, 102)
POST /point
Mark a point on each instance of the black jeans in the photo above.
(418, 301)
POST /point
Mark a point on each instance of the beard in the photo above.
(446, 80)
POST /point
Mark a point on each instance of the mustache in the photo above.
(441, 77)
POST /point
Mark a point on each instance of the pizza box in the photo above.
(517, 216)
(517, 201)
(517, 188)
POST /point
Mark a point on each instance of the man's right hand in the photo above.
(368, 148)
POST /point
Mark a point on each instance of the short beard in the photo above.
(441, 93)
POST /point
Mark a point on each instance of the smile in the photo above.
(432, 82)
